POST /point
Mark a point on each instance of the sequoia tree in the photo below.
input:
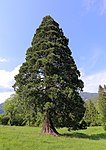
(48, 81)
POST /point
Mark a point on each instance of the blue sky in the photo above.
(83, 22)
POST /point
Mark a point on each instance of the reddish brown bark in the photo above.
(48, 127)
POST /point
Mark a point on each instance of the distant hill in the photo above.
(1, 105)
(86, 95)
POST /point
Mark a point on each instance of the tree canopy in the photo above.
(13, 110)
(48, 81)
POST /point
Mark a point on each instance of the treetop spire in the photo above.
(48, 20)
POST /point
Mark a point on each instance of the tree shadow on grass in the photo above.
(85, 136)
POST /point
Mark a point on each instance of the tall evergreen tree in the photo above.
(49, 79)
(102, 102)
(91, 114)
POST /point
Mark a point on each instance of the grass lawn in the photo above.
(29, 138)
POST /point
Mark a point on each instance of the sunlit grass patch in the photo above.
(30, 138)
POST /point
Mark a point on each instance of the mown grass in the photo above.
(29, 138)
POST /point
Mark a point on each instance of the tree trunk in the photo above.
(48, 127)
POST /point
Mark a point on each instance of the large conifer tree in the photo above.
(49, 80)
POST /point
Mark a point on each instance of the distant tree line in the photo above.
(95, 114)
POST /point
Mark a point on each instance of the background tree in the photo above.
(13, 111)
(102, 103)
(48, 81)
(91, 116)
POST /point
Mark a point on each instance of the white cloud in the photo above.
(6, 82)
(88, 4)
(98, 6)
(2, 60)
(7, 77)
(92, 82)
(94, 58)
(4, 96)
(103, 7)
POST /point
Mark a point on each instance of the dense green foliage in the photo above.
(95, 113)
(48, 81)
(29, 138)
(102, 103)
(13, 112)
(91, 116)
